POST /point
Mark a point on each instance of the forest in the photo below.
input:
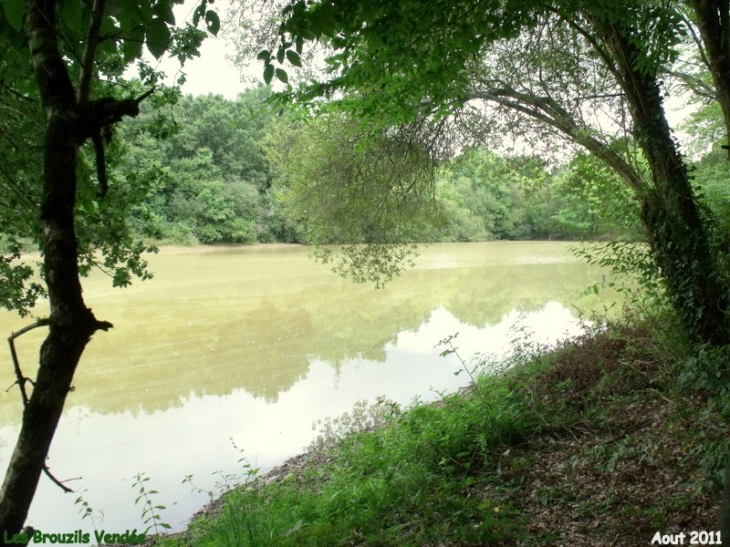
(213, 172)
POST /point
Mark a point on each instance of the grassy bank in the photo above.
(604, 441)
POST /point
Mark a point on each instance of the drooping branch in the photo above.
(698, 43)
(698, 87)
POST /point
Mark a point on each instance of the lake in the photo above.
(244, 348)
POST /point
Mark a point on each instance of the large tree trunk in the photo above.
(713, 20)
(71, 323)
(676, 229)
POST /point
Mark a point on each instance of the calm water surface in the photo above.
(252, 345)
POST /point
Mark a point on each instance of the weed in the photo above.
(452, 350)
(150, 516)
(227, 481)
(86, 511)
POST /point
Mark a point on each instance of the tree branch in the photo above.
(549, 112)
(698, 43)
(87, 61)
(20, 379)
(55, 481)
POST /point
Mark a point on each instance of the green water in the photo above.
(254, 344)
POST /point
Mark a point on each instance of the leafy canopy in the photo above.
(364, 197)
(124, 29)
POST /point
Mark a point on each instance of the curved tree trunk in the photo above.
(676, 228)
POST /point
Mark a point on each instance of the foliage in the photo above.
(150, 512)
(210, 170)
(487, 196)
(370, 190)
(595, 202)
(210, 179)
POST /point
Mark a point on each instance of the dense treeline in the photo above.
(206, 165)
(207, 178)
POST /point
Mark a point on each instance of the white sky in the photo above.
(212, 72)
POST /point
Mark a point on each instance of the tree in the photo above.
(712, 18)
(390, 68)
(213, 180)
(364, 196)
(53, 52)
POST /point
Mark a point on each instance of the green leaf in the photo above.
(282, 75)
(293, 58)
(268, 73)
(213, 22)
(163, 9)
(14, 11)
(72, 16)
(280, 55)
(264, 55)
(308, 34)
(132, 47)
(197, 14)
(158, 37)
(89, 205)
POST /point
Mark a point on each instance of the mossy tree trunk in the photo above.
(676, 228)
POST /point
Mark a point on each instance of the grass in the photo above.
(603, 441)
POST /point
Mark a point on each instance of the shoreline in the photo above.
(577, 419)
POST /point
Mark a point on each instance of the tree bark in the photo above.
(71, 323)
(676, 228)
(713, 20)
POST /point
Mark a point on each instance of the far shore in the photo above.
(179, 249)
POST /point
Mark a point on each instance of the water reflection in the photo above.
(257, 344)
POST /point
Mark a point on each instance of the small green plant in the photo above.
(86, 511)
(453, 350)
(150, 516)
(227, 481)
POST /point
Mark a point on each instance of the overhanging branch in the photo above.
(549, 112)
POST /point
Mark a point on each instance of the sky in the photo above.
(212, 72)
